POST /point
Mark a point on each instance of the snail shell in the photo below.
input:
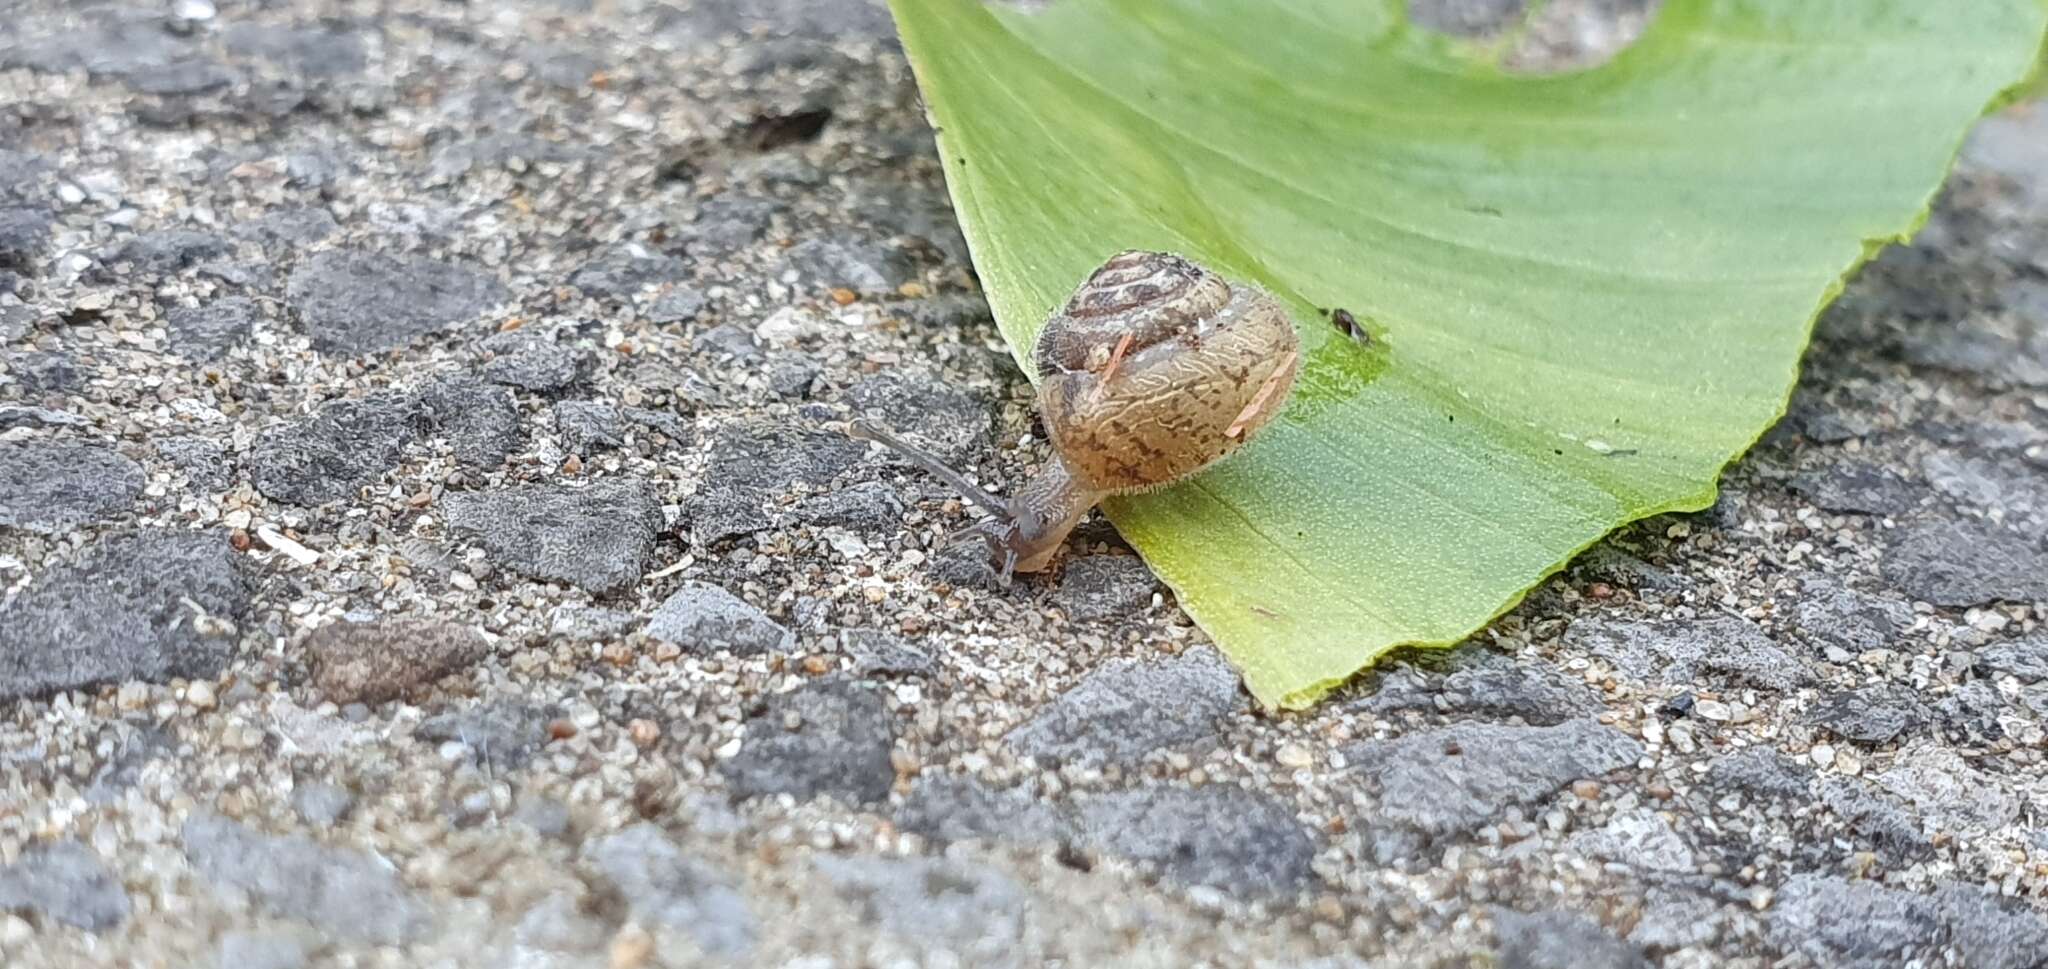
(1154, 370)
(1158, 368)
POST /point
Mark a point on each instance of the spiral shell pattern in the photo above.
(1157, 368)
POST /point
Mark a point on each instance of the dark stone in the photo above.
(167, 250)
(1559, 940)
(1875, 821)
(946, 312)
(65, 883)
(44, 373)
(701, 618)
(750, 464)
(662, 885)
(283, 230)
(726, 222)
(872, 652)
(1853, 925)
(1989, 932)
(323, 52)
(208, 332)
(956, 424)
(869, 507)
(372, 662)
(623, 271)
(1832, 614)
(599, 537)
(791, 376)
(1760, 773)
(2025, 659)
(344, 892)
(1487, 685)
(2019, 493)
(534, 364)
(1857, 488)
(480, 422)
(1126, 711)
(114, 44)
(729, 342)
(343, 446)
(1097, 588)
(24, 178)
(203, 462)
(53, 486)
(1824, 423)
(504, 733)
(1455, 778)
(663, 423)
(15, 321)
(916, 210)
(1871, 715)
(1965, 562)
(150, 605)
(1959, 347)
(587, 426)
(183, 78)
(947, 808)
(1492, 685)
(24, 233)
(353, 301)
(13, 416)
(677, 304)
(1970, 714)
(829, 737)
(862, 265)
(1242, 841)
(1727, 649)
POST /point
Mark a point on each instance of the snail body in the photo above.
(1155, 369)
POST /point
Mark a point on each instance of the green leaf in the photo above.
(1588, 292)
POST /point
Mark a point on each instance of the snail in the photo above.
(1156, 369)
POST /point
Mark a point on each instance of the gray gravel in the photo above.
(424, 541)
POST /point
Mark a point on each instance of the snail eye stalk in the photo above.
(867, 430)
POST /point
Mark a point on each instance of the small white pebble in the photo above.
(200, 695)
(462, 580)
(1822, 755)
(1294, 756)
(453, 751)
(1714, 710)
